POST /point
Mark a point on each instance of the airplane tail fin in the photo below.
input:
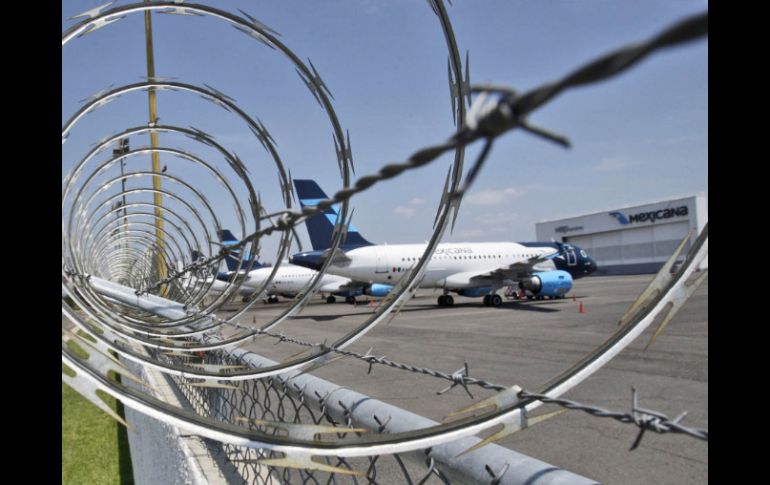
(226, 237)
(320, 227)
(232, 260)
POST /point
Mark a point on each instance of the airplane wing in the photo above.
(522, 269)
(343, 284)
(339, 258)
(512, 272)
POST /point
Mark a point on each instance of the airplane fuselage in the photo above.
(210, 284)
(451, 266)
(289, 280)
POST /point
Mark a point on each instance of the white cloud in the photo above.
(405, 211)
(494, 196)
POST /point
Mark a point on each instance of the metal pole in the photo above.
(117, 222)
(161, 264)
(122, 150)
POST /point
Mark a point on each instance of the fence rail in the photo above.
(263, 416)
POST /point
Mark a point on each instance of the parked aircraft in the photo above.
(468, 269)
(289, 279)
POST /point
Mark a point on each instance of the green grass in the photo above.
(94, 446)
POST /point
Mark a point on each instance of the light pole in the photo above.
(114, 232)
(154, 144)
(122, 150)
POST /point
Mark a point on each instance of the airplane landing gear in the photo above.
(446, 300)
(330, 299)
(350, 299)
(493, 300)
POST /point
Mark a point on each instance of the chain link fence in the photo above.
(264, 419)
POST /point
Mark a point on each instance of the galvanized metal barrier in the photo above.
(297, 398)
(301, 398)
(263, 423)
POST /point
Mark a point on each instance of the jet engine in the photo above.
(548, 283)
(377, 289)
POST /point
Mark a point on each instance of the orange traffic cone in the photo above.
(573, 297)
(582, 308)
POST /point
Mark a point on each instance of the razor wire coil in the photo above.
(94, 230)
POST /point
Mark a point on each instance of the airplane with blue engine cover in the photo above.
(289, 279)
(468, 269)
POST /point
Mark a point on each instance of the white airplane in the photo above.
(468, 269)
(212, 284)
(289, 279)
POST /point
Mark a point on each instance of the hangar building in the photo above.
(632, 240)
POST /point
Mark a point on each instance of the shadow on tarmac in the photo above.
(538, 306)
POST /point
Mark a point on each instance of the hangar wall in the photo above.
(631, 240)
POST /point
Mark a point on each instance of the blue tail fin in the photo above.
(321, 226)
(232, 260)
(226, 237)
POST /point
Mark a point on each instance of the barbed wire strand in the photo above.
(644, 419)
(492, 120)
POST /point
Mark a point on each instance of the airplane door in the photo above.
(382, 261)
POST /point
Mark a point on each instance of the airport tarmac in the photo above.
(527, 343)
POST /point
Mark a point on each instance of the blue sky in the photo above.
(642, 136)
